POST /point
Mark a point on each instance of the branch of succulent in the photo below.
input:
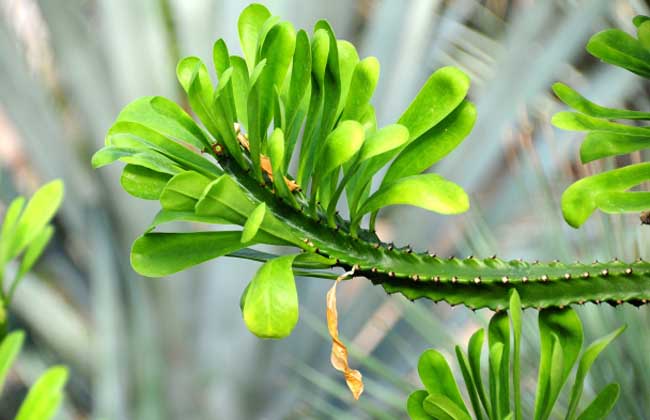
(235, 171)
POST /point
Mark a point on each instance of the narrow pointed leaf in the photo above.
(499, 334)
(582, 104)
(45, 396)
(516, 320)
(603, 404)
(9, 224)
(474, 349)
(579, 122)
(240, 86)
(9, 350)
(271, 301)
(469, 382)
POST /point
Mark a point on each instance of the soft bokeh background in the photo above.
(176, 348)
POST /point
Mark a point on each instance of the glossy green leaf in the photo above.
(362, 86)
(600, 144)
(643, 34)
(495, 359)
(277, 154)
(162, 254)
(623, 202)
(474, 349)
(499, 335)
(580, 122)
(415, 406)
(252, 225)
(166, 117)
(240, 85)
(566, 326)
(603, 404)
(130, 134)
(587, 359)
(169, 216)
(437, 377)
(37, 214)
(619, 48)
(142, 182)
(183, 191)
(583, 197)
(441, 94)
(388, 138)
(443, 408)
(348, 60)
(9, 224)
(220, 57)
(434, 144)
(271, 302)
(470, 384)
(300, 72)
(45, 396)
(585, 106)
(639, 20)
(249, 26)
(516, 314)
(340, 146)
(9, 350)
(429, 191)
(154, 161)
(33, 252)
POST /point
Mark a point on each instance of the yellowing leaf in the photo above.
(339, 357)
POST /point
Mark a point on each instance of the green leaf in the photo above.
(362, 86)
(469, 382)
(240, 86)
(135, 135)
(169, 216)
(162, 254)
(584, 196)
(415, 406)
(166, 117)
(154, 161)
(474, 357)
(444, 408)
(221, 57)
(441, 94)
(437, 377)
(39, 211)
(587, 359)
(45, 396)
(277, 155)
(340, 146)
(348, 60)
(385, 140)
(499, 335)
(33, 252)
(249, 27)
(619, 48)
(9, 350)
(495, 358)
(271, 302)
(429, 191)
(600, 144)
(142, 182)
(434, 144)
(623, 202)
(643, 33)
(9, 228)
(182, 192)
(516, 321)
(640, 20)
(566, 326)
(579, 122)
(253, 223)
(603, 404)
(298, 89)
(583, 105)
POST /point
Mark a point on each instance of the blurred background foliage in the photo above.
(176, 348)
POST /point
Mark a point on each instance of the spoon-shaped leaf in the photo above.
(183, 191)
(600, 144)
(441, 94)
(582, 104)
(474, 348)
(579, 122)
(584, 196)
(516, 320)
(587, 359)
(499, 334)
(220, 57)
(388, 138)
(434, 144)
(603, 404)
(362, 86)
(271, 300)
(249, 27)
(253, 223)
(45, 396)
(437, 377)
(240, 86)
(142, 182)
(429, 191)
(340, 146)
(162, 254)
(619, 48)
(348, 60)
(415, 406)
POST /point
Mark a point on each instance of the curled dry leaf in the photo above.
(339, 357)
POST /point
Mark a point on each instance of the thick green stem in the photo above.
(473, 282)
